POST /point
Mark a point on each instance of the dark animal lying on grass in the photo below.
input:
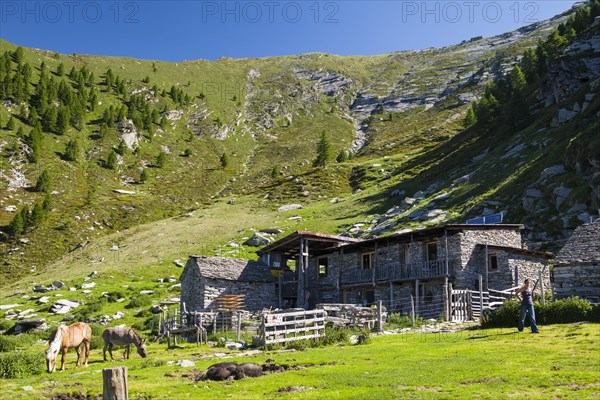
(230, 370)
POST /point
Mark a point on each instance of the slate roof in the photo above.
(231, 269)
(583, 247)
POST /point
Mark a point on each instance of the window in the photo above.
(432, 251)
(492, 262)
(366, 297)
(404, 256)
(367, 261)
(323, 267)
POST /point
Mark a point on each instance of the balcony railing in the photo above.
(397, 271)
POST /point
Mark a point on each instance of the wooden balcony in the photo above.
(397, 271)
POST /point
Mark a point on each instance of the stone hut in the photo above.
(205, 279)
(577, 266)
(420, 267)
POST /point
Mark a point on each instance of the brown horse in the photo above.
(78, 335)
(122, 336)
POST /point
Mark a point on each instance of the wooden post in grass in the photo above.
(114, 384)
(379, 316)
(239, 326)
(541, 287)
(480, 296)
(412, 306)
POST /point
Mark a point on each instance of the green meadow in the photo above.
(562, 362)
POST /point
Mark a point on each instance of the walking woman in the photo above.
(526, 296)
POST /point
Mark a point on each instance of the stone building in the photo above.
(205, 279)
(425, 264)
(576, 268)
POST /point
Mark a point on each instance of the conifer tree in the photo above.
(224, 160)
(17, 225)
(323, 151)
(143, 176)
(72, 150)
(10, 125)
(342, 156)
(38, 215)
(470, 118)
(43, 182)
(111, 160)
(47, 203)
(62, 120)
(161, 159)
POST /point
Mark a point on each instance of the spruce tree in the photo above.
(470, 118)
(10, 125)
(72, 150)
(275, 172)
(18, 55)
(34, 140)
(50, 119)
(224, 160)
(161, 159)
(43, 182)
(323, 151)
(62, 120)
(38, 215)
(143, 176)
(60, 70)
(121, 148)
(47, 204)
(111, 160)
(25, 216)
(343, 156)
(17, 225)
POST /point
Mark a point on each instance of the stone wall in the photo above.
(529, 267)
(192, 289)
(577, 280)
(257, 295)
(198, 292)
(473, 258)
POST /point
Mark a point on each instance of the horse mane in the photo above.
(136, 335)
(55, 339)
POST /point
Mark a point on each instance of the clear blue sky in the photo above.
(187, 30)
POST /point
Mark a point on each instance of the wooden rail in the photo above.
(291, 326)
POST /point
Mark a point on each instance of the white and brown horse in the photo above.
(77, 335)
(123, 336)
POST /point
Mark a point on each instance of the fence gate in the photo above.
(290, 326)
(462, 306)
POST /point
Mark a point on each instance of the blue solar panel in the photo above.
(490, 219)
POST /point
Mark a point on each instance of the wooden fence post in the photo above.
(380, 316)
(114, 384)
(412, 306)
(239, 326)
(542, 287)
(480, 296)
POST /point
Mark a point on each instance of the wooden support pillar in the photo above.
(417, 296)
(446, 308)
(300, 272)
(391, 297)
(114, 384)
(487, 268)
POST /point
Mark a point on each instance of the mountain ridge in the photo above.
(249, 131)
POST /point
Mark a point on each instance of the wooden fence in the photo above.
(289, 326)
(468, 305)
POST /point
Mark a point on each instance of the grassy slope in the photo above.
(561, 362)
